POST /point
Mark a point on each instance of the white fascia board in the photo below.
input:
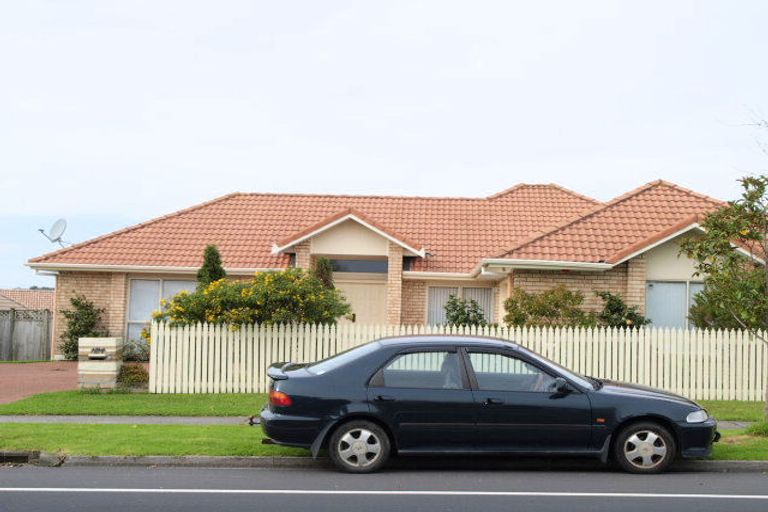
(276, 249)
(148, 269)
(692, 227)
(438, 276)
(543, 265)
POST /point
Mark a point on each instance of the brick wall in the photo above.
(303, 257)
(107, 290)
(627, 280)
(414, 302)
(394, 284)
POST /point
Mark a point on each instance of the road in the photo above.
(405, 488)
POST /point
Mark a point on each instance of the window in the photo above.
(342, 358)
(667, 303)
(145, 295)
(369, 266)
(438, 297)
(424, 370)
(499, 372)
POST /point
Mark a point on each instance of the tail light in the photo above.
(279, 399)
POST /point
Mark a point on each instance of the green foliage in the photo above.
(323, 271)
(83, 321)
(135, 350)
(287, 296)
(212, 269)
(132, 375)
(616, 313)
(558, 307)
(736, 287)
(464, 312)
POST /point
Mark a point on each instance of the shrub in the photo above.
(212, 269)
(616, 313)
(557, 307)
(323, 270)
(464, 312)
(132, 375)
(287, 296)
(83, 321)
(135, 350)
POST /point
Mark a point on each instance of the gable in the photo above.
(665, 263)
(349, 239)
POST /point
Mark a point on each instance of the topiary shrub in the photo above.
(132, 376)
(212, 268)
(83, 321)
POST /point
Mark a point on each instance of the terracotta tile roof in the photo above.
(456, 232)
(30, 299)
(620, 227)
(6, 304)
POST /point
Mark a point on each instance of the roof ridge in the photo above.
(361, 196)
(599, 208)
(133, 227)
(561, 188)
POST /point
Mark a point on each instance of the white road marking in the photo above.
(544, 494)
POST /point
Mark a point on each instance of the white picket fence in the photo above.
(703, 365)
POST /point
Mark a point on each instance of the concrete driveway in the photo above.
(20, 380)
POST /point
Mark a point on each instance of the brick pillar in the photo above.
(636, 276)
(303, 258)
(503, 292)
(118, 304)
(394, 284)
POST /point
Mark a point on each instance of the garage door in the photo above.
(368, 301)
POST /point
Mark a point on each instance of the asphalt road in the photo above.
(407, 488)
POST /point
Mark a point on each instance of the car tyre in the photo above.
(359, 446)
(644, 448)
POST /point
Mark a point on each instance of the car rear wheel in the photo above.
(645, 447)
(359, 447)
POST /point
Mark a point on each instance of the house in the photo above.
(27, 298)
(398, 259)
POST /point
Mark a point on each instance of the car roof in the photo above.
(447, 339)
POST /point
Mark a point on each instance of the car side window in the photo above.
(500, 372)
(425, 370)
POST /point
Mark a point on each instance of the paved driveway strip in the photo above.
(20, 380)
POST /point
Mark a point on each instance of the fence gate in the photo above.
(25, 335)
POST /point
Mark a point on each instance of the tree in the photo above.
(323, 270)
(557, 307)
(83, 321)
(288, 296)
(462, 312)
(616, 313)
(735, 282)
(212, 269)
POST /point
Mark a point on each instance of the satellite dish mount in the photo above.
(56, 232)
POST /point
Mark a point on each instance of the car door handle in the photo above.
(493, 401)
(385, 398)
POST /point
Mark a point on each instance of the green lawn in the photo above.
(735, 410)
(137, 404)
(76, 439)
(234, 440)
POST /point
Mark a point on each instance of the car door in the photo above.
(424, 396)
(518, 408)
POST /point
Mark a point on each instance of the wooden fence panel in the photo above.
(722, 365)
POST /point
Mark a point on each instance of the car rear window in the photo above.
(342, 358)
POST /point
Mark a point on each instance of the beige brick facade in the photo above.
(303, 255)
(108, 291)
(414, 302)
(394, 284)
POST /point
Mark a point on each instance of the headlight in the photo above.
(699, 416)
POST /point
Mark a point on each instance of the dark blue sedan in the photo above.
(445, 395)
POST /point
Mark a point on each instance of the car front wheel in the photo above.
(359, 447)
(645, 447)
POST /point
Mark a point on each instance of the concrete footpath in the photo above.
(129, 420)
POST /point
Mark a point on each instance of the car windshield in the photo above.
(341, 358)
(581, 380)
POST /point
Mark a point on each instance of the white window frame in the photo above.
(160, 289)
(688, 302)
(460, 293)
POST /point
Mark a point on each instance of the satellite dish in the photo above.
(56, 232)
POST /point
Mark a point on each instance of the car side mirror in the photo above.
(560, 385)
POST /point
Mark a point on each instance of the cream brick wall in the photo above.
(107, 290)
(414, 302)
(394, 284)
(303, 255)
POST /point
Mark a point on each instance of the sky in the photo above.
(112, 113)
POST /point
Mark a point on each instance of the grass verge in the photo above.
(746, 444)
(733, 410)
(136, 440)
(70, 403)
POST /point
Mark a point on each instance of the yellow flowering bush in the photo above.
(287, 296)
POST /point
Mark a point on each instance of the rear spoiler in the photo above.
(277, 371)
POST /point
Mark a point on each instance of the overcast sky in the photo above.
(115, 112)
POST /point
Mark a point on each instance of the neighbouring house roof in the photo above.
(456, 233)
(29, 299)
(620, 228)
(7, 303)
